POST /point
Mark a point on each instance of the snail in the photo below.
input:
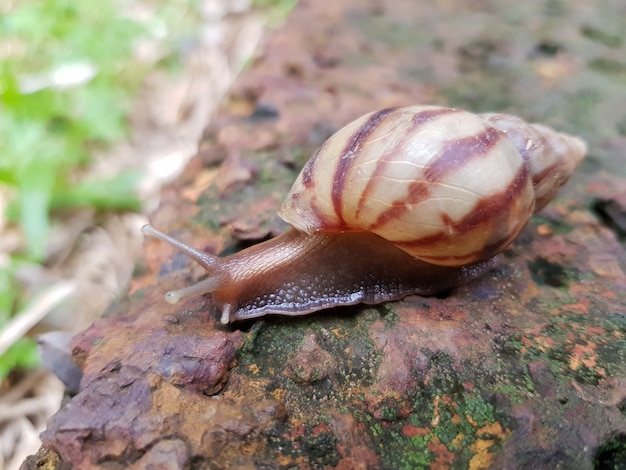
(405, 200)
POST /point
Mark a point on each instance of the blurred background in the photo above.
(101, 104)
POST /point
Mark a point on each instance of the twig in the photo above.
(20, 389)
(28, 318)
(28, 407)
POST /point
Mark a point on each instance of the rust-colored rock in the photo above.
(311, 363)
(184, 350)
(522, 368)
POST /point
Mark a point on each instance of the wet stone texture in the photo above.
(523, 368)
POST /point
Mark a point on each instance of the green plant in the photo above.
(67, 78)
(50, 122)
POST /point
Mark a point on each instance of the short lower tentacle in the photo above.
(213, 264)
(226, 309)
(203, 287)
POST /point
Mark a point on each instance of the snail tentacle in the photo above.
(225, 318)
(206, 286)
(212, 264)
(206, 260)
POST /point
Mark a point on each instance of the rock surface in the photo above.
(522, 368)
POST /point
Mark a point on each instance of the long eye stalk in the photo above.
(211, 263)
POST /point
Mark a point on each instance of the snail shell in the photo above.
(405, 200)
(446, 186)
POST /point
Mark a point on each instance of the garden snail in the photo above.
(406, 200)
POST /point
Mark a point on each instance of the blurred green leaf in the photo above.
(36, 185)
(7, 294)
(22, 354)
(118, 193)
(67, 82)
(103, 113)
(47, 132)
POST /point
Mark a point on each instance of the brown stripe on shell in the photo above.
(309, 168)
(427, 115)
(537, 178)
(418, 191)
(547, 183)
(498, 203)
(544, 144)
(419, 119)
(455, 154)
(483, 213)
(517, 130)
(349, 152)
(313, 210)
(458, 152)
(486, 252)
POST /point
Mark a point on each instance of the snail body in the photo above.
(406, 200)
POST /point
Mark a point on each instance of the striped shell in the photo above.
(447, 186)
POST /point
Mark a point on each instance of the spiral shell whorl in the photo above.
(551, 156)
(447, 186)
